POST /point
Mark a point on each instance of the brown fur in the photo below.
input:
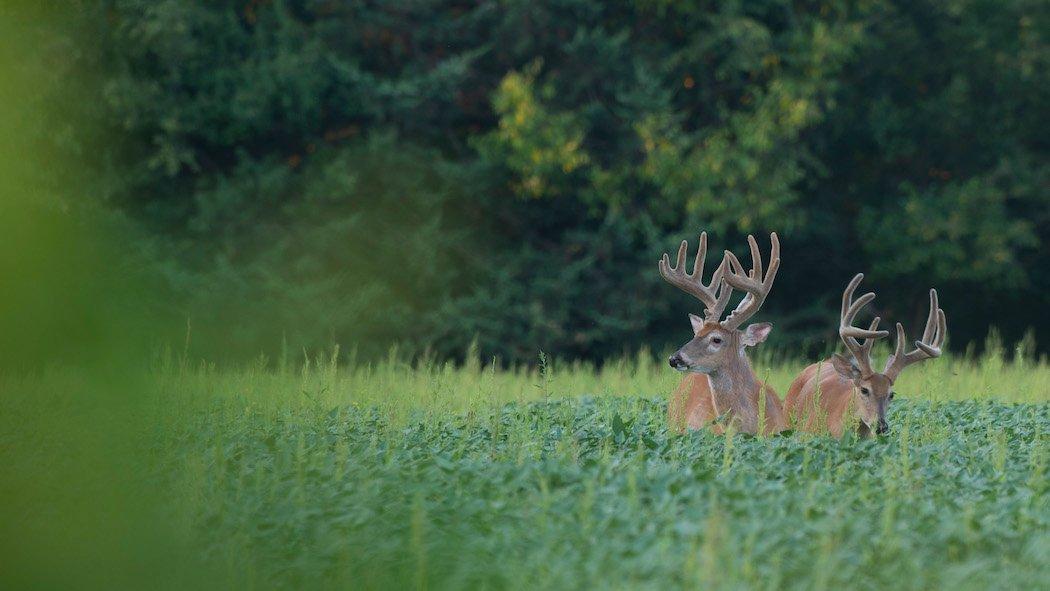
(842, 391)
(720, 385)
(822, 398)
(731, 389)
(692, 406)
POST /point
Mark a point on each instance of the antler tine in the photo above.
(701, 255)
(931, 320)
(692, 283)
(725, 291)
(849, 312)
(849, 333)
(928, 347)
(755, 283)
(756, 257)
(866, 346)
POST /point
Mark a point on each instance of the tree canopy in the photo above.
(436, 172)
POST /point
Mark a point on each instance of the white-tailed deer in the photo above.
(841, 389)
(720, 383)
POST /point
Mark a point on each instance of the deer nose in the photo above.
(883, 427)
(675, 361)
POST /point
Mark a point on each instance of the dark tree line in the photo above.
(431, 172)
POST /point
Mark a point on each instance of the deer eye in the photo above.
(892, 394)
(865, 391)
(716, 340)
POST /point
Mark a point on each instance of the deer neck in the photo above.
(732, 386)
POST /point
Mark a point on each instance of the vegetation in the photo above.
(431, 173)
(307, 473)
(432, 193)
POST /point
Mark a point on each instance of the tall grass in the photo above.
(399, 388)
(322, 470)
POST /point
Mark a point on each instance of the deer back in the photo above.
(819, 399)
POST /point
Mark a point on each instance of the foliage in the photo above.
(370, 231)
(596, 493)
(385, 475)
(537, 157)
(534, 144)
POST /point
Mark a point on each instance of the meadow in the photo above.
(324, 472)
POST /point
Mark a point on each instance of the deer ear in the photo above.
(697, 322)
(845, 367)
(756, 333)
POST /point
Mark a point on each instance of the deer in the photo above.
(720, 388)
(846, 391)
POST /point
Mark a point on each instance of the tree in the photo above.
(435, 172)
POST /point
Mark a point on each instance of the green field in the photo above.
(315, 473)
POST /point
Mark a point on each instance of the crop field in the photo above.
(318, 474)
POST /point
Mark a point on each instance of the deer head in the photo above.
(717, 343)
(873, 391)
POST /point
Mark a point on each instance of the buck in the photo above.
(721, 388)
(844, 391)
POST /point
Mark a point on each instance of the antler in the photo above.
(714, 295)
(754, 283)
(927, 348)
(849, 333)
